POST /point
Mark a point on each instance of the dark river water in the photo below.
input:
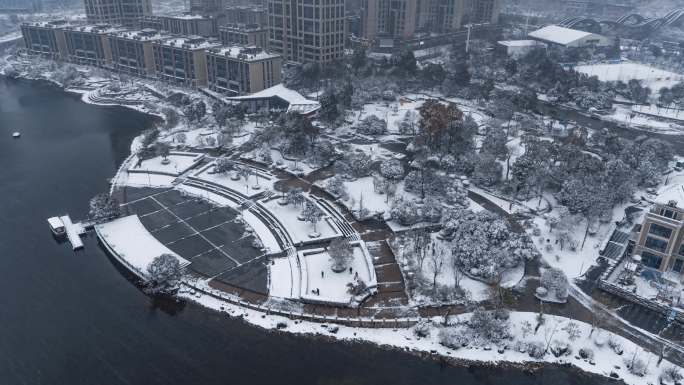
(74, 318)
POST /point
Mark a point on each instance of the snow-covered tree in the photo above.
(485, 244)
(488, 171)
(335, 186)
(341, 254)
(356, 165)
(372, 125)
(488, 325)
(555, 281)
(456, 194)
(392, 169)
(312, 214)
(494, 143)
(103, 207)
(295, 196)
(406, 212)
(163, 275)
(223, 165)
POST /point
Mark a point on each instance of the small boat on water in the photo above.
(16, 134)
(57, 226)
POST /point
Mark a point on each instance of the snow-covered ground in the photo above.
(238, 183)
(651, 77)
(128, 238)
(178, 163)
(299, 230)
(321, 283)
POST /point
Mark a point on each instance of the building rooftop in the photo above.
(242, 27)
(190, 42)
(671, 193)
(49, 24)
(243, 53)
(520, 43)
(97, 28)
(297, 102)
(558, 35)
(147, 34)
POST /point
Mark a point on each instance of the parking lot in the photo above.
(212, 238)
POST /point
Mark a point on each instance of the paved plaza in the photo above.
(212, 238)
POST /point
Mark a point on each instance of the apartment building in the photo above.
(125, 12)
(132, 51)
(401, 19)
(660, 241)
(89, 44)
(182, 60)
(206, 7)
(307, 30)
(246, 14)
(236, 70)
(245, 35)
(46, 38)
(389, 18)
(187, 25)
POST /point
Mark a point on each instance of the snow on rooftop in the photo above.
(244, 53)
(297, 102)
(190, 42)
(558, 35)
(130, 240)
(519, 43)
(96, 28)
(673, 192)
(142, 35)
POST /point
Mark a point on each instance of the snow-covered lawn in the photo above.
(131, 241)
(299, 231)
(625, 115)
(178, 163)
(362, 193)
(237, 183)
(283, 278)
(147, 180)
(329, 286)
(651, 77)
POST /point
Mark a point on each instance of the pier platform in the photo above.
(73, 231)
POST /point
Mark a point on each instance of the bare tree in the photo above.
(437, 264)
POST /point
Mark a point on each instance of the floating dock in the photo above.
(73, 232)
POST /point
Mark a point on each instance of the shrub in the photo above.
(452, 338)
(422, 329)
(560, 348)
(586, 353)
(671, 375)
(536, 350)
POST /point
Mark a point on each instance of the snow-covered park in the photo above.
(651, 77)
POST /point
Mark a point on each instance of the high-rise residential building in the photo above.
(660, 243)
(46, 38)
(238, 70)
(401, 19)
(132, 51)
(89, 44)
(440, 15)
(245, 35)
(206, 7)
(389, 18)
(246, 14)
(307, 30)
(481, 11)
(182, 60)
(126, 12)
